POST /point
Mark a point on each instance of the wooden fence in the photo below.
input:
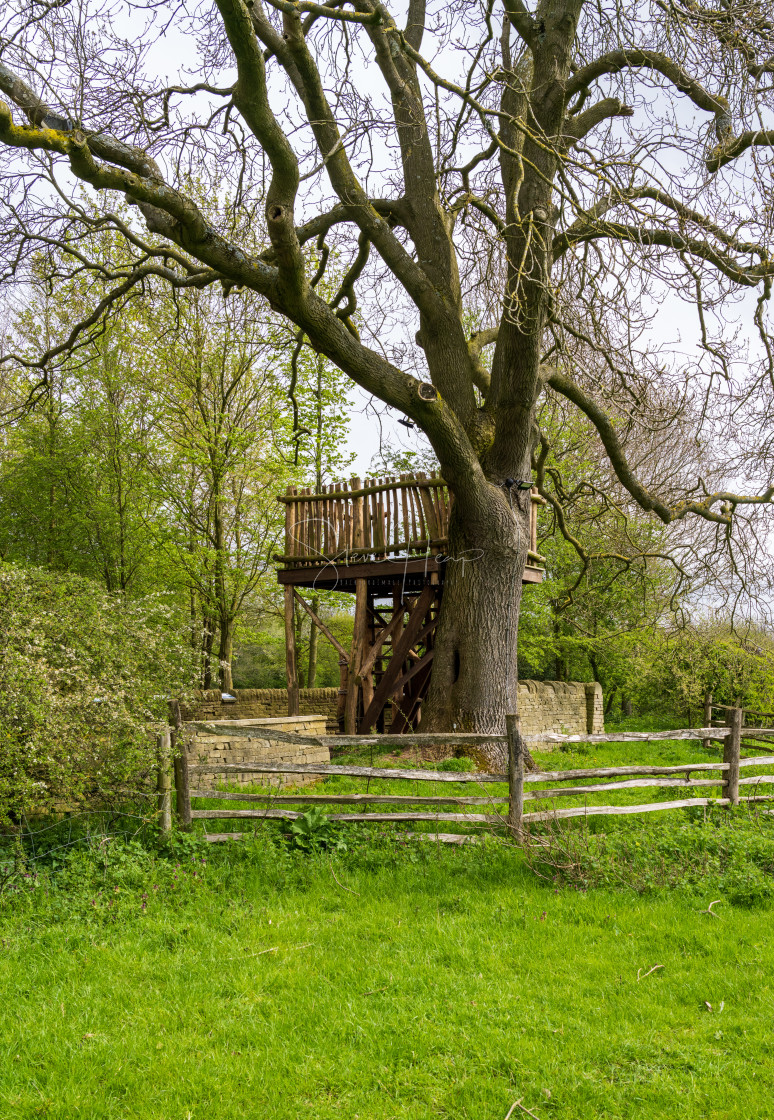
(512, 815)
(753, 723)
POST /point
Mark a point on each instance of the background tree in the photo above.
(574, 160)
(219, 460)
(74, 474)
(321, 397)
(155, 460)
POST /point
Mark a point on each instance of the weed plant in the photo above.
(695, 851)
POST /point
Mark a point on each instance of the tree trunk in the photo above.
(225, 653)
(208, 640)
(475, 670)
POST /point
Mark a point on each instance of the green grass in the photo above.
(450, 985)
(402, 979)
(591, 756)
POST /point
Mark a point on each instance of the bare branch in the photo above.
(648, 501)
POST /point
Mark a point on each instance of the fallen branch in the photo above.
(333, 873)
(639, 970)
(709, 909)
(274, 949)
(518, 1104)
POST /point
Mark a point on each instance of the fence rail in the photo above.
(506, 809)
(753, 737)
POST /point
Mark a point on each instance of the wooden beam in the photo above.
(333, 770)
(631, 736)
(400, 650)
(635, 783)
(624, 810)
(515, 775)
(377, 616)
(356, 818)
(420, 565)
(258, 729)
(406, 482)
(423, 663)
(182, 786)
(345, 798)
(424, 633)
(360, 491)
(358, 646)
(382, 637)
(294, 706)
(410, 705)
(163, 780)
(734, 721)
(366, 679)
(321, 626)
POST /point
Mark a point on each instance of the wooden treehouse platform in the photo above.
(384, 541)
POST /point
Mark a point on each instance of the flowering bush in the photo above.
(85, 678)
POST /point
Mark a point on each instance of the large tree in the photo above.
(546, 175)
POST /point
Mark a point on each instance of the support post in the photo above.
(515, 775)
(294, 707)
(368, 638)
(732, 745)
(356, 656)
(706, 743)
(163, 780)
(341, 702)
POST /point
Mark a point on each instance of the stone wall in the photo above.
(212, 750)
(257, 703)
(570, 707)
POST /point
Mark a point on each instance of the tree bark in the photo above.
(208, 641)
(475, 669)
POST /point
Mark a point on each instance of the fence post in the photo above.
(182, 787)
(182, 790)
(163, 780)
(706, 743)
(731, 752)
(515, 775)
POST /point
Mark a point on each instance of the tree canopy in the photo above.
(526, 182)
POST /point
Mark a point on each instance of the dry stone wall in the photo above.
(569, 707)
(215, 750)
(257, 703)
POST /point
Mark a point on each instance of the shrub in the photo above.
(85, 677)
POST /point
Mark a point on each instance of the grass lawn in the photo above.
(393, 980)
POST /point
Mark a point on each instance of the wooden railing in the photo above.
(716, 715)
(510, 815)
(372, 520)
